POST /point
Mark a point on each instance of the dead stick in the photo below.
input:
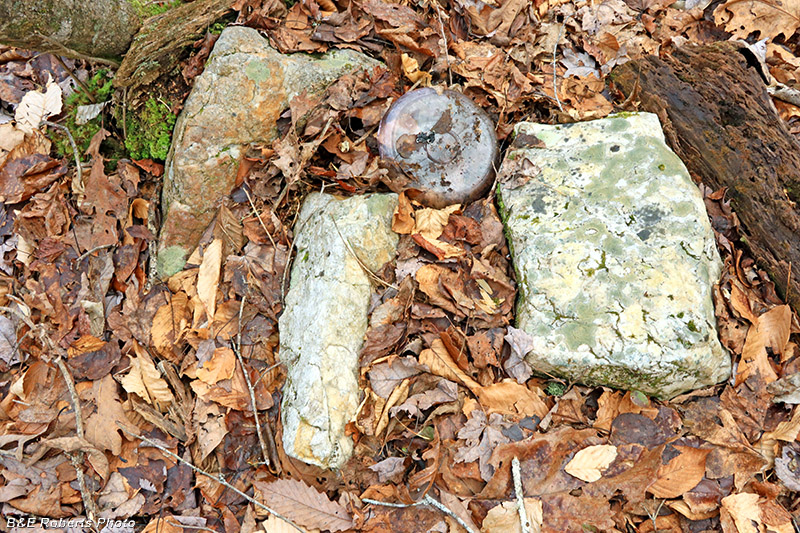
(238, 352)
(523, 515)
(427, 500)
(219, 479)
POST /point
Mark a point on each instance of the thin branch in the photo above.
(361, 263)
(219, 479)
(263, 226)
(523, 515)
(555, 73)
(427, 500)
(74, 148)
(88, 252)
(237, 349)
(72, 53)
(444, 38)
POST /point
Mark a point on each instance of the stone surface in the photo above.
(322, 327)
(237, 100)
(614, 254)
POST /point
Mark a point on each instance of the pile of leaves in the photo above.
(114, 383)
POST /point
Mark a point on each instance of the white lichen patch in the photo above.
(614, 254)
(325, 318)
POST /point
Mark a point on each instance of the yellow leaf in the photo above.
(589, 462)
(208, 277)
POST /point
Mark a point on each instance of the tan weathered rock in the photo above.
(236, 101)
(322, 327)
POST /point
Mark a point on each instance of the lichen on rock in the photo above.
(325, 318)
(614, 254)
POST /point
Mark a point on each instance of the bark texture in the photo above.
(719, 118)
(77, 28)
(157, 47)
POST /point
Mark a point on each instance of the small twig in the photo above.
(263, 226)
(80, 83)
(238, 351)
(427, 500)
(89, 252)
(523, 515)
(555, 73)
(361, 263)
(74, 147)
(78, 457)
(219, 479)
(444, 38)
(124, 115)
(72, 53)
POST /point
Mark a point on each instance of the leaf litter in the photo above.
(449, 401)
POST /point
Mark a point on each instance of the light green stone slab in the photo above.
(615, 256)
(325, 318)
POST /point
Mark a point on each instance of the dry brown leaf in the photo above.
(786, 431)
(304, 505)
(431, 222)
(504, 517)
(771, 331)
(208, 277)
(588, 464)
(273, 524)
(403, 218)
(769, 18)
(145, 380)
(221, 366)
(170, 324)
(101, 426)
(98, 459)
(744, 510)
(509, 397)
(681, 474)
(441, 364)
(741, 303)
(412, 72)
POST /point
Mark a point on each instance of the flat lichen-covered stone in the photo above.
(237, 100)
(615, 256)
(325, 318)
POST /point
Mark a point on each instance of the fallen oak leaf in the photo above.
(588, 463)
(771, 331)
(681, 474)
(438, 360)
(304, 505)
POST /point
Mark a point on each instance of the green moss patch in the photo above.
(149, 131)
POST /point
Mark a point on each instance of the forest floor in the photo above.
(104, 402)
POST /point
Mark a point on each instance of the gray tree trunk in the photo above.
(76, 28)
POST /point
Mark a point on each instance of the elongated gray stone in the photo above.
(615, 256)
(237, 100)
(322, 327)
